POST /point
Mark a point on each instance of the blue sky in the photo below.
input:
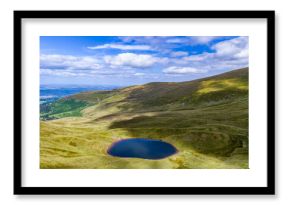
(130, 60)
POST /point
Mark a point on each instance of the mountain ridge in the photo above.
(205, 119)
(159, 95)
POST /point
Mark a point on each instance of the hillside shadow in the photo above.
(184, 132)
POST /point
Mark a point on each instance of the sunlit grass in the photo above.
(209, 86)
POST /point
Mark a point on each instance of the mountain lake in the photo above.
(141, 148)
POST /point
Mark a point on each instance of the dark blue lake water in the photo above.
(142, 148)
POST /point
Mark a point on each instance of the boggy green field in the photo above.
(205, 119)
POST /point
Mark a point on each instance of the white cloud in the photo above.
(139, 74)
(229, 54)
(87, 73)
(132, 60)
(226, 55)
(192, 40)
(63, 73)
(178, 54)
(182, 70)
(204, 39)
(122, 47)
(175, 40)
(199, 57)
(69, 62)
(237, 48)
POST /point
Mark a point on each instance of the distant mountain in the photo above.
(50, 93)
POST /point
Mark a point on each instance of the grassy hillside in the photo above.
(205, 119)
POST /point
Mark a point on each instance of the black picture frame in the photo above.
(268, 190)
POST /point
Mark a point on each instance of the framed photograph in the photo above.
(144, 102)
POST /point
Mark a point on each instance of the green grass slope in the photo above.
(205, 119)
